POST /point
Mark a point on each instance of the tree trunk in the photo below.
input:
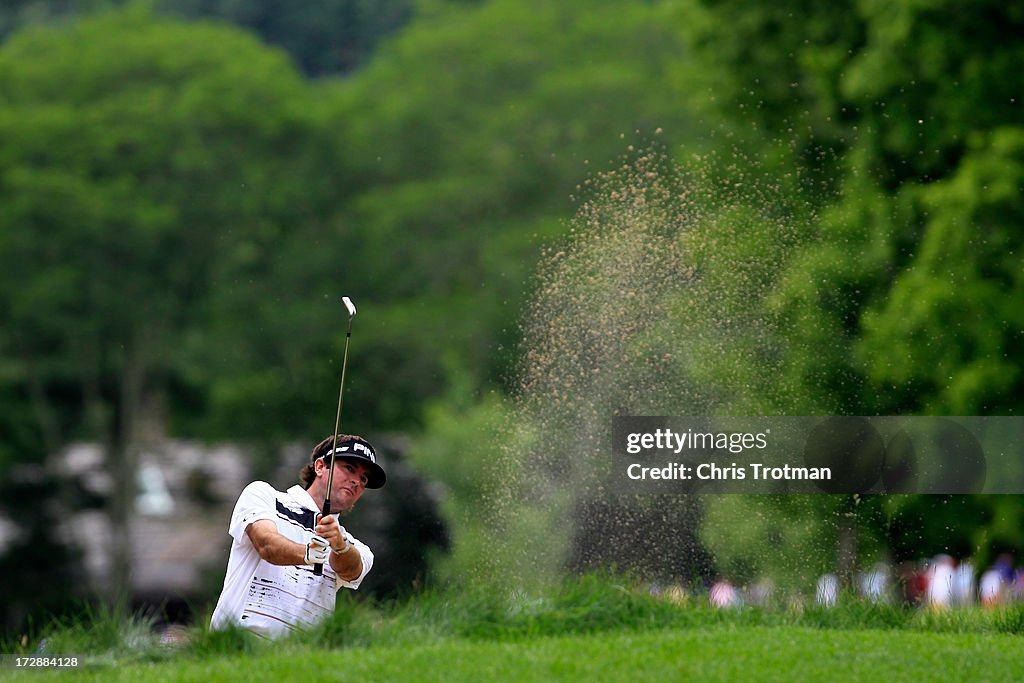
(123, 461)
(846, 552)
(45, 415)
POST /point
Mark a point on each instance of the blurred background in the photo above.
(187, 187)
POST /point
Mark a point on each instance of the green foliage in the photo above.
(790, 540)
(927, 76)
(899, 124)
(112, 632)
(949, 329)
(765, 75)
(716, 653)
(17, 13)
(913, 96)
(732, 340)
(977, 527)
(472, 450)
(204, 643)
(179, 209)
(1010, 620)
(818, 300)
(471, 130)
(598, 605)
(150, 173)
(589, 604)
(325, 37)
(123, 223)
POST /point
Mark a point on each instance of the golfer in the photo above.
(270, 587)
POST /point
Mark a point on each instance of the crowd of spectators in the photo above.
(944, 581)
(940, 582)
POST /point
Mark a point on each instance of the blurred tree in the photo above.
(36, 567)
(792, 539)
(460, 451)
(149, 170)
(901, 122)
(906, 95)
(471, 131)
(323, 37)
(764, 74)
(949, 337)
(17, 13)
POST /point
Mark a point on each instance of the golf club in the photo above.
(318, 569)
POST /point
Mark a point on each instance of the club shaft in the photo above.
(318, 569)
(337, 420)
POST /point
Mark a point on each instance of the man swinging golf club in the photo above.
(289, 557)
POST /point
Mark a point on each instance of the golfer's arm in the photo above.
(272, 546)
(348, 565)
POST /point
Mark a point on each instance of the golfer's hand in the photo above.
(329, 529)
(318, 550)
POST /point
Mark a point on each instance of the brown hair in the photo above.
(307, 475)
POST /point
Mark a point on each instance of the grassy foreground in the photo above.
(592, 629)
(718, 653)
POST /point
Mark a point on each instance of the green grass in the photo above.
(592, 629)
(715, 653)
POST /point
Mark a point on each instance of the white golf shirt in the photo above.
(268, 599)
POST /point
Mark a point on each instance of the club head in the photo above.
(350, 306)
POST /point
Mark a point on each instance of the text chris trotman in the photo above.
(715, 465)
(827, 454)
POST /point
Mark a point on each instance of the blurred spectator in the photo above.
(723, 594)
(874, 583)
(914, 582)
(992, 590)
(174, 635)
(677, 594)
(910, 585)
(940, 582)
(673, 593)
(1004, 565)
(996, 583)
(963, 584)
(827, 593)
(761, 592)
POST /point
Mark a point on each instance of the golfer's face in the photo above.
(349, 484)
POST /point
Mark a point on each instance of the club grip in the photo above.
(318, 569)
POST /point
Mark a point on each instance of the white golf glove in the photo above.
(317, 550)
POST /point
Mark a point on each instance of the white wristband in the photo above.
(348, 546)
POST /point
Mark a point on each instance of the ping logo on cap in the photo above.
(356, 447)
